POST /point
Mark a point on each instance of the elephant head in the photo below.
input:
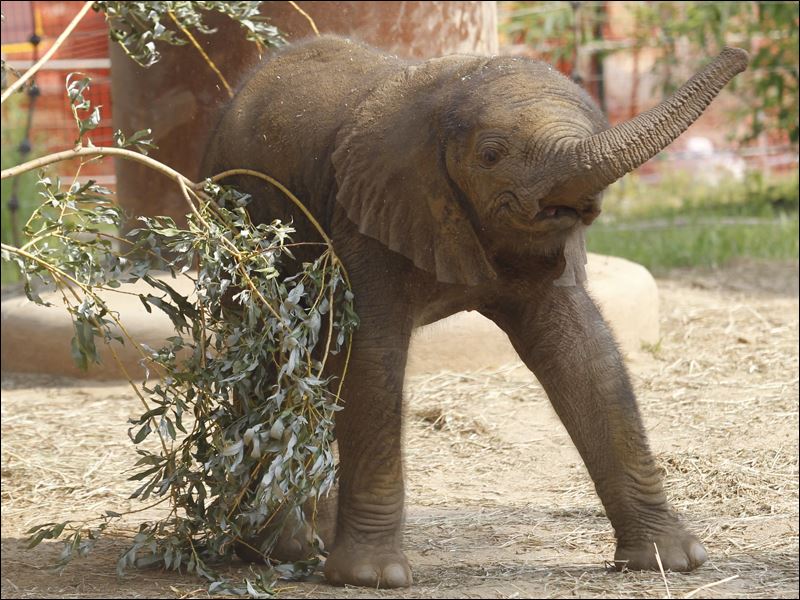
(459, 161)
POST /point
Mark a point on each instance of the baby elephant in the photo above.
(460, 183)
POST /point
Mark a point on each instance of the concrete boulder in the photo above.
(625, 292)
(37, 339)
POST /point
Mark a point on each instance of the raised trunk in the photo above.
(601, 159)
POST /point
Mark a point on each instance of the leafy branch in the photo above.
(238, 399)
(253, 345)
(137, 26)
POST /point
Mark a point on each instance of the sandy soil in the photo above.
(499, 503)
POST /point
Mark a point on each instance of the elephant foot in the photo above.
(679, 551)
(368, 566)
(295, 541)
(289, 547)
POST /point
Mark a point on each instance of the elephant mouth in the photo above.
(556, 213)
(556, 217)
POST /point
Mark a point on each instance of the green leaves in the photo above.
(82, 106)
(770, 84)
(247, 14)
(75, 91)
(137, 26)
(140, 27)
(237, 432)
(76, 540)
(45, 531)
(83, 348)
(141, 141)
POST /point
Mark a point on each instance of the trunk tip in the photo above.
(736, 57)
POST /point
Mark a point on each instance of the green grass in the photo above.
(682, 224)
(682, 196)
(698, 244)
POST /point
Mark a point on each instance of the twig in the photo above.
(318, 227)
(709, 585)
(330, 333)
(306, 15)
(55, 272)
(179, 177)
(283, 189)
(661, 568)
(202, 52)
(232, 248)
(59, 274)
(93, 151)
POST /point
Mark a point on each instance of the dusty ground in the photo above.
(499, 504)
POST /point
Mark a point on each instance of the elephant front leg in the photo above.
(565, 342)
(367, 549)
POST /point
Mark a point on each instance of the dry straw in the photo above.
(499, 505)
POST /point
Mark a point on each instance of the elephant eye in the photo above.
(490, 156)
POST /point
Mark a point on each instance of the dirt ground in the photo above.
(499, 503)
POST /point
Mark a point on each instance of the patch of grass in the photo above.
(682, 195)
(698, 243)
(680, 224)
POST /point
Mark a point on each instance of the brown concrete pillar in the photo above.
(180, 97)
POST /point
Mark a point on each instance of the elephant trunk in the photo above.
(601, 159)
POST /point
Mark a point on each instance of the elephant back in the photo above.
(284, 119)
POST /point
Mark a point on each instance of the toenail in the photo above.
(365, 575)
(396, 576)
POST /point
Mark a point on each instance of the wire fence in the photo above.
(39, 121)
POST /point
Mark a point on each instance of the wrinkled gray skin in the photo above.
(460, 183)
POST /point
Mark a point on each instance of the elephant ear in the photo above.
(392, 178)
